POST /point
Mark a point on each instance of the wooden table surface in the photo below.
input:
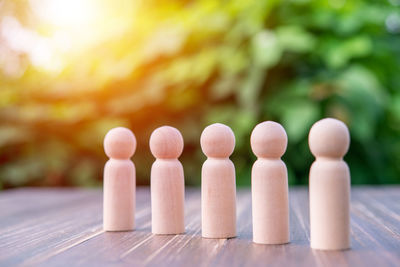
(63, 227)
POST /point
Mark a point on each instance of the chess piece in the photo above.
(329, 141)
(119, 181)
(269, 185)
(218, 187)
(167, 182)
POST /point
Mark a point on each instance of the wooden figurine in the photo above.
(119, 181)
(329, 141)
(218, 186)
(269, 185)
(167, 182)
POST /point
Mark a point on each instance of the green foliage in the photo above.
(198, 62)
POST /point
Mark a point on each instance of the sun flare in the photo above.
(63, 31)
(67, 14)
(68, 25)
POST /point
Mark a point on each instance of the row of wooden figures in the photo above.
(329, 186)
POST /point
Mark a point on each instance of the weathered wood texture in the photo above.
(63, 227)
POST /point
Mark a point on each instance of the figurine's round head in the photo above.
(120, 143)
(268, 140)
(329, 138)
(166, 143)
(217, 141)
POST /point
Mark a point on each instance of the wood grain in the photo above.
(63, 227)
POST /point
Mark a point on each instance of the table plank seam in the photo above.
(123, 255)
(31, 261)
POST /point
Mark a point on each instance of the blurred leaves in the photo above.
(365, 98)
(338, 53)
(267, 50)
(191, 63)
(295, 39)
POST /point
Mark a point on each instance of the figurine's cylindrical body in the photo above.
(167, 182)
(167, 197)
(329, 204)
(119, 181)
(119, 195)
(269, 184)
(218, 198)
(270, 207)
(329, 141)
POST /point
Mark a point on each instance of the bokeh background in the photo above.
(72, 70)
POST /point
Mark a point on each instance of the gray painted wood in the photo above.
(63, 227)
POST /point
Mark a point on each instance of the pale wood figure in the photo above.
(218, 183)
(329, 141)
(119, 181)
(167, 182)
(269, 185)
